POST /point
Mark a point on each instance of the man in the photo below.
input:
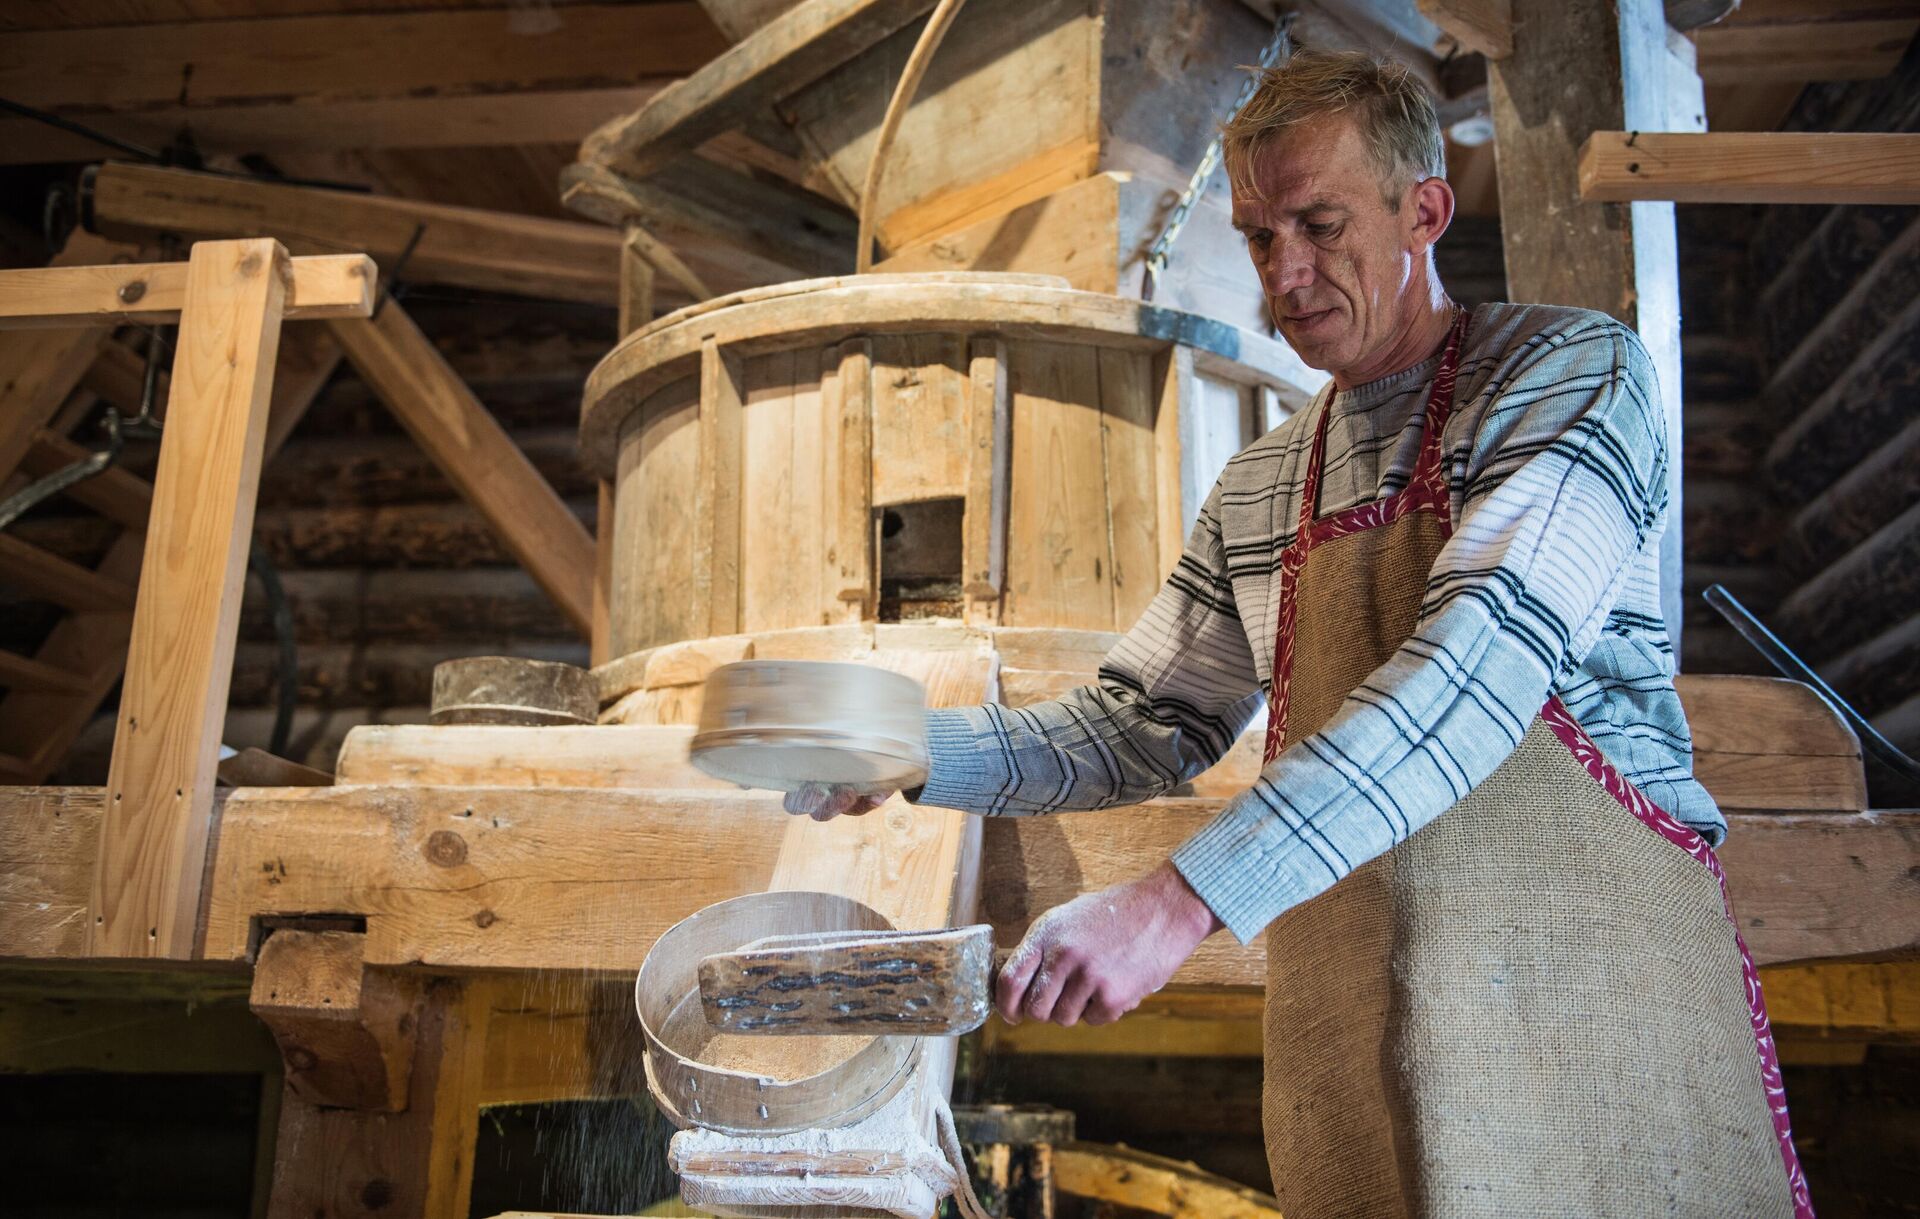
(1502, 977)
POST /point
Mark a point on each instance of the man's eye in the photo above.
(1260, 238)
(1326, 229)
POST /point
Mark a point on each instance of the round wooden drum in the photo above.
(1048, 448)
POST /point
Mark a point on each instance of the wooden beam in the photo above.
(146, 884)
(788, 53)
(1751, 167)
(1762, 42)
(37, 372)
(478, 457)
(565, 878)
(506, 120)
(494, 251)
(771, 231)
(368, 55)
(33, 571)
(19, 672)
(321, 286)
(1485, 26)
(117, 495)
(1576, 69)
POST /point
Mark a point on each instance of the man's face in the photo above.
(1334, 257)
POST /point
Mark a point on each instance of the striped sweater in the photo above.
(1556, 453)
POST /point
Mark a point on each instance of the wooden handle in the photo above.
(929, 983)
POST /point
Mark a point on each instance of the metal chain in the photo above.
(1210, 160)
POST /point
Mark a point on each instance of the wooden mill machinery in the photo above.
(974, 464)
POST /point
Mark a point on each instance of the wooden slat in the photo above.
(146, 883)
(1059, 566)
(789, 52)
(225, 64)
(1485, 26)
(341, 125)
(121, 497)
(579, 878)
(1763, 742)
(716, 550)
(322, 286)
(33, 571)
(441, 413)
(604, 755)
(1836, 42)
(19, 672)
(989, 428)
(37, 372)
(920, 395)
(1751, 167)
(1127, 401)
(850, 526)
(467, 246)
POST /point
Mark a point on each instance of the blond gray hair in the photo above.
(1394, 109)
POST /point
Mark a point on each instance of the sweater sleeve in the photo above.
(1565, 489)
(1171, 698)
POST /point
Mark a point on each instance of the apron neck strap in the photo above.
(1439, 406)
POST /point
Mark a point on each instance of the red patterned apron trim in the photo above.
(1588, 754)
(1426, 491)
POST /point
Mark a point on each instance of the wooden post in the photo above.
(636, 310)
(146, 883)
(1576, 69)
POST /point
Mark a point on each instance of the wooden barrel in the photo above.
(758, 441)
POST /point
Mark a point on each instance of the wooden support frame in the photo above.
(230, 297)
(1750, 167)
(1485, 26)
(320, 286)
(146, 891)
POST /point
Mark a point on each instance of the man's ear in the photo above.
(1432, 212)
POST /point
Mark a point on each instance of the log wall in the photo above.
(1803, 426)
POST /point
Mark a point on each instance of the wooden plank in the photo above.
(659, 591)
(1841, 1000)
(772, 230)
(920, 398)
(1763, 742)
(264, 58)
(1127, 447)
(1141, 1182)
(1485, 26)
(1811, 45)
(333, 126)
(605, 755)
(716, 553)
(488, 877)
(321, 286)
(1064, 233)
(1751, 167)
(19, 672)
(989, 448)
(472, 248)
(781, 57)
(115, 494)
(346, 1033)
(36, 573)
(783, 502)
(1059, 566)
(146, 885)
(441, 413)
(37, 372)
(849, 416)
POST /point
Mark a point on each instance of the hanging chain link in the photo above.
(1277, 46)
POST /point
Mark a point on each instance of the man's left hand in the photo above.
(1099, 955)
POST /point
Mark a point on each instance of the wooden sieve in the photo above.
(782, 724)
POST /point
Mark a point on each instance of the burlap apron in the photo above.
(1536, 1005)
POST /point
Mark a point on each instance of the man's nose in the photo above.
(1289, 268)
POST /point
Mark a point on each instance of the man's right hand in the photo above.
(825, 801)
